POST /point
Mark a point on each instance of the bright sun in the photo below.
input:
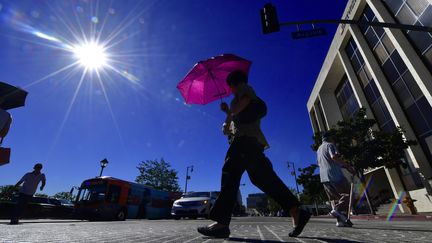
(91, 55)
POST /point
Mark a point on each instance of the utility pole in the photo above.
(187, 176)
(295, 176)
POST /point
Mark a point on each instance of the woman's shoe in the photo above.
(304, 217)
(223, 232)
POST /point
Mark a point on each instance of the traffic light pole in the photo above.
(270, 23)
(360, 23)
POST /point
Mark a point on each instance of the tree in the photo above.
(64, 195)
(272, 206)
(6, 192)
(313, 191)
(364, 146)
(159, 175)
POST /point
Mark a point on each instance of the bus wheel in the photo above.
(121, 215)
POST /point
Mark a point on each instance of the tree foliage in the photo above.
(159, 175)
(313, 191)
(6, 192)
(64, 195)
(364, 146)
(273, 206)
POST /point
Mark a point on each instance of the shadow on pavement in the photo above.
(330, 240)
(397, 229)
(251, 240)
(47, 222)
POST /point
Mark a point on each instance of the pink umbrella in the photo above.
(206, 82)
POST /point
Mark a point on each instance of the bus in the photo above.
(108, 198)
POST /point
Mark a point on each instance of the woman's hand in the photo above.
(224, 107)
(226, 129)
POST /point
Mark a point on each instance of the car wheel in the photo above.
(121, 215)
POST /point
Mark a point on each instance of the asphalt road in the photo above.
(243, 230)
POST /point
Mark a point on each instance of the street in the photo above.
(257, 229)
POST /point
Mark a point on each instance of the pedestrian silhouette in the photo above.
(30, 182)
(333, 179)
(246, 153)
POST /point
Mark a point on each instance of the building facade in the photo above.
(257, 201)
(388, 72)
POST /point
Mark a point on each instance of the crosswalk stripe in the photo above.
(271, 231)
(192, 239)
(260, 233)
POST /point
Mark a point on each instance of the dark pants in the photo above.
(246, 154)
(21, 206)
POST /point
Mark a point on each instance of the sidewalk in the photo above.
(398, 217)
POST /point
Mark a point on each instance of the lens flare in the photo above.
(395, 205)
(361, 190)
(91, 55)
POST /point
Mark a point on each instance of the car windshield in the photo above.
(64, 201)
(197, 194)
(92, 193)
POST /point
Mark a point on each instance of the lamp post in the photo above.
(295, 176)
(187, 176)
(103, 164)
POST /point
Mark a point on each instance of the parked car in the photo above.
(194, 205)
(39, 207)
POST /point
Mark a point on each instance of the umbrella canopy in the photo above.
(206, 82)
(11, 96)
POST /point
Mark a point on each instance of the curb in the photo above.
(384, 217)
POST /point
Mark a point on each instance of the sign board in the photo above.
(309, 33)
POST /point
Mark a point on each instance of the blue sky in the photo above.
(146, 118)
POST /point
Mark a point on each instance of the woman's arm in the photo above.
(240, 106)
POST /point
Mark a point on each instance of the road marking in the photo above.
(207, 240)
(299, 240)
(271, 231)
(160, 238)
(192, 239)
(176, 239)
(260, 233)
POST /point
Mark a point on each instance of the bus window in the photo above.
(92, 193)
(113, 194)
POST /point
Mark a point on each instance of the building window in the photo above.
(410, 97)
(346, 99)
(370, 88)
(314, 121)
(415, 12)
(321, 117)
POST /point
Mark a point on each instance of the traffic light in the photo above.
(269, 19)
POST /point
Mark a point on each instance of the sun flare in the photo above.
(91, 55)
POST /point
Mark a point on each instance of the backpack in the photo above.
(256, 110)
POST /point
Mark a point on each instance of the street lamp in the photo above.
(103, 164)
(187, 176)
(295, 176)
